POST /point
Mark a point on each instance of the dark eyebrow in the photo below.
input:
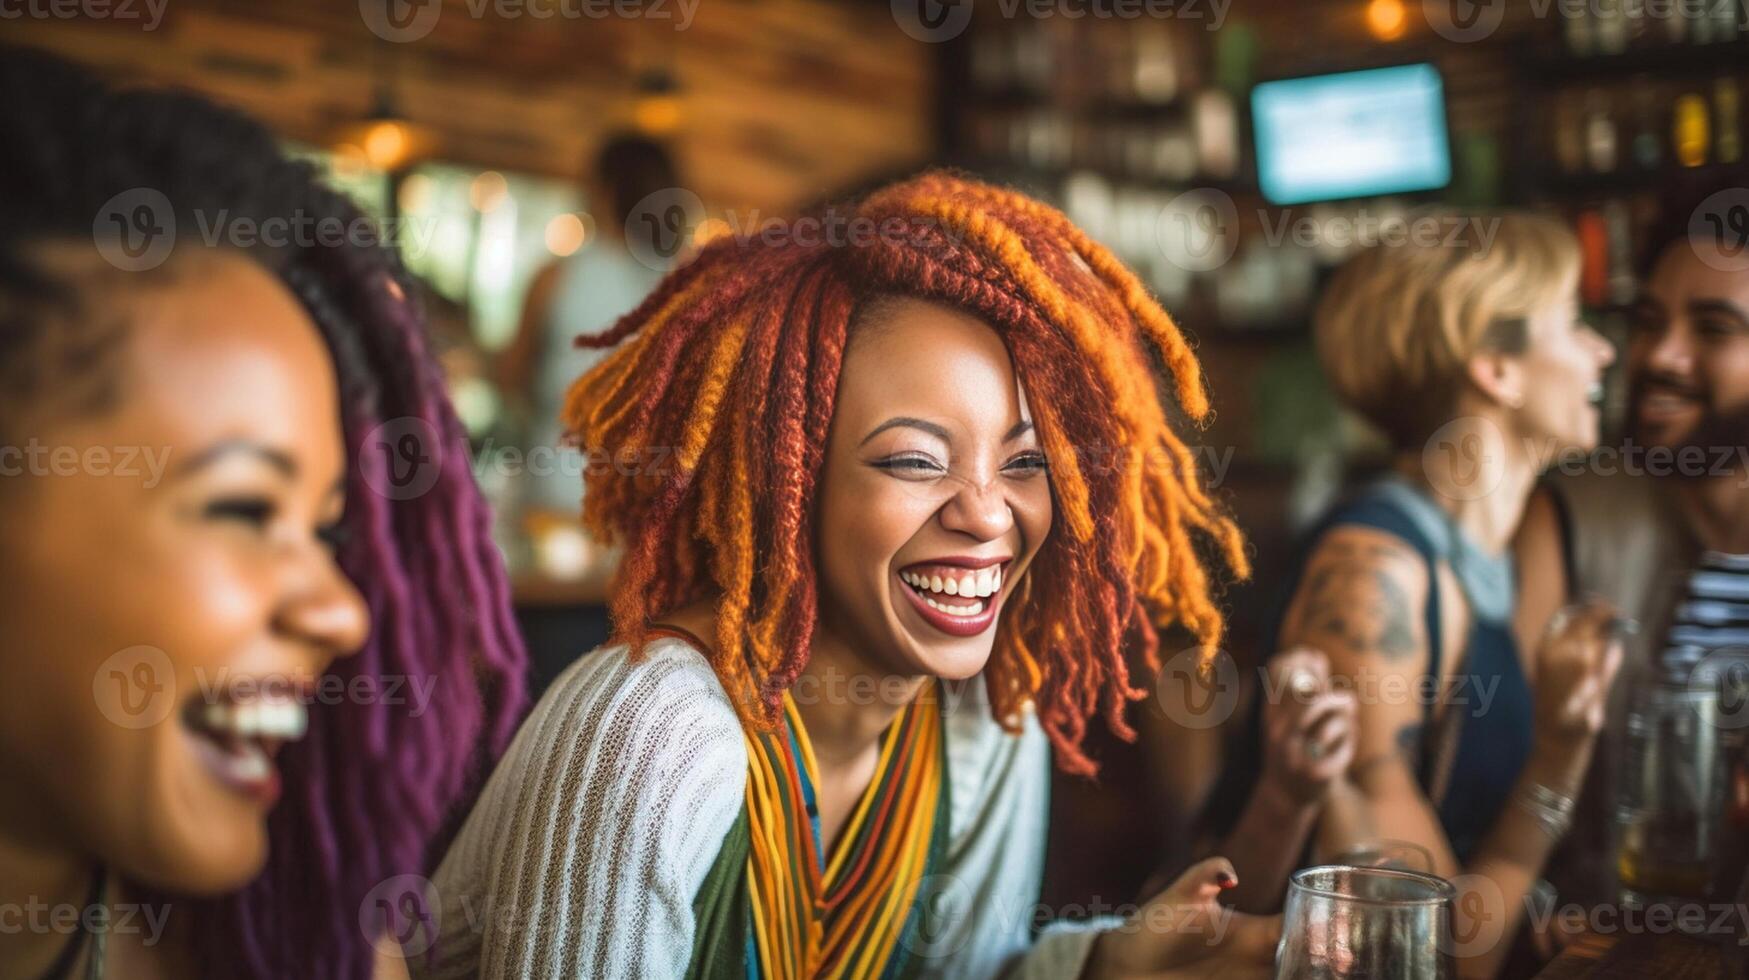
(1722, 307)
(230, 447)
(909, 422)
(1020, 428)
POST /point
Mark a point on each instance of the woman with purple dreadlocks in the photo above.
(252, 659)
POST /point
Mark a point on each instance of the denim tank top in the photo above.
(1487, 695)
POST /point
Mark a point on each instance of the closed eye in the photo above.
(913, 465)
(253, 511)
(1028, 463)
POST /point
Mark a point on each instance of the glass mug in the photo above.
(1352, 923)
(1675, 809)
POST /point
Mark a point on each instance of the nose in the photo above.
(1605, 349)
(1671, 352)
(979, 510)
(325, 613)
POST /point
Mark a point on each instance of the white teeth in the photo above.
(970, 610)
(979, 584)
(273, 719)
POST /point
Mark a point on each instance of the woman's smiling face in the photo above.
(934, 495)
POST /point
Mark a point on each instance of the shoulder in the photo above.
(612, 701)
(621, 740)
(1359, 556)
(1360, 593)
(592, 837)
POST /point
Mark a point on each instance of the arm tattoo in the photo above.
(1409, 744)
(1364, 608)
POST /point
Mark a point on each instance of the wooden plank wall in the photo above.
(782, 101)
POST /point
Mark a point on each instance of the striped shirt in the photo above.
(1713, 614)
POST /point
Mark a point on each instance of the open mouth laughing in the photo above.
(957, 595)
(236, 733)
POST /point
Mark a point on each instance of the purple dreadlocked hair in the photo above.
(372, 786)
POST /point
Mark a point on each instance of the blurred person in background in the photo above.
(267, 614)
(921, 502)
(622, 259)
(1660, 527)
(1474, 728)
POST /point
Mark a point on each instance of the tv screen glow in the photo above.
(1356, 134)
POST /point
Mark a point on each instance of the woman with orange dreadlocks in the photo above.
(900, 505)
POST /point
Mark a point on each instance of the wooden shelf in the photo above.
(1667, 61)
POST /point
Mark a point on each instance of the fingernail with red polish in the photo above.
(1226, 880)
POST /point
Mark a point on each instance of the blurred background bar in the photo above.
(1231, 152)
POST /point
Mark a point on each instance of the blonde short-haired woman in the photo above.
(1469, 354)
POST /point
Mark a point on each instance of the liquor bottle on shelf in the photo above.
(1648, 143)
(1728, 144)
(1676, 27)
(1569, 132)
(1610, 26)
(1579, 29)
(1600, 133)
(1691, 130)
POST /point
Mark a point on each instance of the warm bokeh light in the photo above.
(386, 145)
(657, 115)
(488, 191)
(565, 234)
(1386, 19)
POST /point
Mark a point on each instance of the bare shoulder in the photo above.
(1360, 595)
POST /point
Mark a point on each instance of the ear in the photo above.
(1498, 376)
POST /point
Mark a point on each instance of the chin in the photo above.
(946, 661)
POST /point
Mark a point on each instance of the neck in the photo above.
(1489, 518)
(1717, 508)
(846, 702)
(39, 884)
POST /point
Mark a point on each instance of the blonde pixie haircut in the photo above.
(1400, 320)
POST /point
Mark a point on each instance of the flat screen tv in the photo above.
(1354, 134)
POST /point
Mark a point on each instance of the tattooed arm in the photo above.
(1361, 602)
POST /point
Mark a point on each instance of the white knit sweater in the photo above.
(590, 841)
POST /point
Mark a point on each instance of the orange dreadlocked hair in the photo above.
(715, 412)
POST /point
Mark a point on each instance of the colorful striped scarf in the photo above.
(775, 905)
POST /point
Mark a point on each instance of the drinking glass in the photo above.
(1674, 807)
(1351, 923)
